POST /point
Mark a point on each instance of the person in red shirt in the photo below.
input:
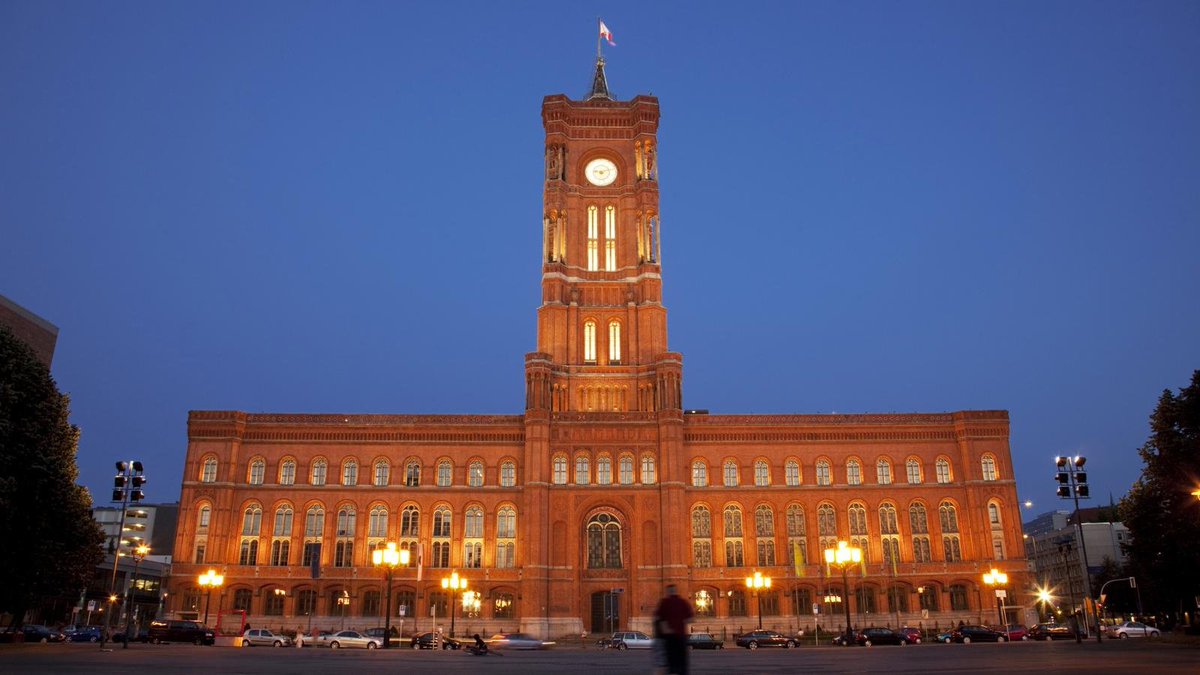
(671, 620)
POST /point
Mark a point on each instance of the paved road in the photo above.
(1027, 657)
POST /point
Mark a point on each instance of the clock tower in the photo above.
(602, 327)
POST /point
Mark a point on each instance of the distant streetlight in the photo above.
(210, 580)
(455, 584)
(844, 556)
(757, 583)
(997, 580)
(389, 558)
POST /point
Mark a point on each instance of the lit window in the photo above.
(589, 341)
(508, 474)
(209, 472)
(730, 473)
(444, 471)
(913, 468)
(593, 235)
(604, 470)
(989, 467)
(699, 474)
(824, 477)
(506, 535)
(319, 468)
(203, 518)
(883, 472)
(287, 472)
(649, 474)
(943, 470)
(762, 473)
(853, 472)
(626, 468)
(610, 239)
(791, 473)
(475, 474)
(560, 470)
(582, 470)
(614, 342)
(473, 538)
(603, 542)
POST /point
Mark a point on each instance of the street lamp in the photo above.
(844, 556)
(1072, 484)
(210, 580)
(757, 583)
(454, 584)
(138, 554)
(996, 580)
(1044, 597)
(389, 558)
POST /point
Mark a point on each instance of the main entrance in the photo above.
(606, 614)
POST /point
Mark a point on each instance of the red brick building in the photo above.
(573, 516)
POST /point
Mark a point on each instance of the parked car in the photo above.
(1132, 629)
(765, 638)
(181, 631)
(261, 637)
(34, 632)
(875, 635)
(912, 636)
(426, 641)
(704, 641)
(969, 634)
(1013, 631)
(945, 637)
(84, 634)
(1051, 631)
(516, 641)
(631, 639)
(348, 639)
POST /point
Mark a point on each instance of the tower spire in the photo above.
(599, 82)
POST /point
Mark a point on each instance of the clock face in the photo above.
(600, 172)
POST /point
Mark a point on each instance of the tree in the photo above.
(1162, 515)
(51, 542)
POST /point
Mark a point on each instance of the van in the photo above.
(181, 631)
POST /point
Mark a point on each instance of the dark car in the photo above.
(913, 636)
(765, 638)
(969, 634)
(1051, 631)
(38, 633)
(85, 634)
(426, 641)
(704, 641)
(879, 636)
(181, 631)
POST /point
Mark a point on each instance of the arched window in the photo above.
(823, 474)
(699, 474)
(319, 467)
(764, 530)
(350, 472)
(733, 521)
(441, 537)
(614, 342)
(701, 537)
(887, 520)
(948, 516)
(560, 469)
(951, 545)
(314, 530)
(826, 526)
(791, 473)
(202, 518)
(377, 526)
(208, 472)
(200, 544)
(473, 538)
(589, 341)
(593, 238)
(997, 529)
(883, 472)
(382, 472)
(913, 468)
(730, 473)
(410, 523)
(610, 238)
(251, 528)
(412, 473)
(649, 472)
(626, 470)
(604, 542)
(506, 537)
(287, 472)
(918, 521)
(445, 472)
(858, 529)
(281, 536)
(604, 470)
(958, 598)
(734, 548)
(475, 474)
(989, 467)
(943, 470)
(889, 531)
(762, 473)
(343, 554)
(853, 472)
(583, 470)
(508, 474)
(258, 469)
(797, 537)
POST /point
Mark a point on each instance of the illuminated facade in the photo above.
(574, 515)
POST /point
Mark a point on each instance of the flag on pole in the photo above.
(606, 34)
(797, 559)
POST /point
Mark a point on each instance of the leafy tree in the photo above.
(1162, 515)
(51, 544)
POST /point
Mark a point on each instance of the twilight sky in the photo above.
(867, 207)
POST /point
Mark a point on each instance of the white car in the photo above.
(263, 637)
(1132, 629)
(631, 639)
(348, 639)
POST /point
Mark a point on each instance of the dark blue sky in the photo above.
(867, 207)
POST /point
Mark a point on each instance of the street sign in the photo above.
(91, 605)
(403, 609)
(1001, 593)
(816, 608)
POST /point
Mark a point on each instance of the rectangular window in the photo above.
(626, 471)
(610, 239)
(508, 474)
(604, 471)
(593, 235)
(649, 475)
(199, 553)
(343, 554)
(614, 342)
(701, 553)
(312, 550)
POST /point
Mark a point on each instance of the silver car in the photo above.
(349, 639)
(1132, 629)
(516, 641)
(632, 639)
(261, 637)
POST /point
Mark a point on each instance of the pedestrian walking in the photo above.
(671, 620)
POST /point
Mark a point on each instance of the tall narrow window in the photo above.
(614, 342)
(918, 522)
(797, 537)
(762, 473)
(604, 542)
(377, 527)
(208, 474)
(200, 545)
(473, 538)
(649, 472)
(701, 537)
(281, 536)
(560, 470)
(314, 528)
(791, 473)
(350, 472)
(989, 467)
(997, 528)
(951, 545)
(382, 469)
(589, 341)
(445, 472)
(604, 470)
(764, 531)
(508, 474)
(943, 470)
(883, 472)
(412, 473)
(699, 474)
(319, 468)
(823, 474)
(734, 548)
(858, 529)
(827, 526)
(913, 468)
(475, 474)
(343, 553)
(202, 519)
(626, 470)
(287, 472)
(583, 471)
(441, 538)
(506, 537)
(853, 472)
(593, 236)
(730, 473)
(258, 468)
(889, 530)
(610, 239)
(410, 528)
(251, 526)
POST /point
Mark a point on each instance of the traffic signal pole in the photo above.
(120, 487)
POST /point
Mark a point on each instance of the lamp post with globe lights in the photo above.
(757, 583)
(208, 581)
(996, 580)
(138, 554)
(843, 557)
(389, 559)
(455, 584)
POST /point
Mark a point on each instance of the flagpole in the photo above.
(598, 39)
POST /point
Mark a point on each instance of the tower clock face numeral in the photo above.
(600, 172)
